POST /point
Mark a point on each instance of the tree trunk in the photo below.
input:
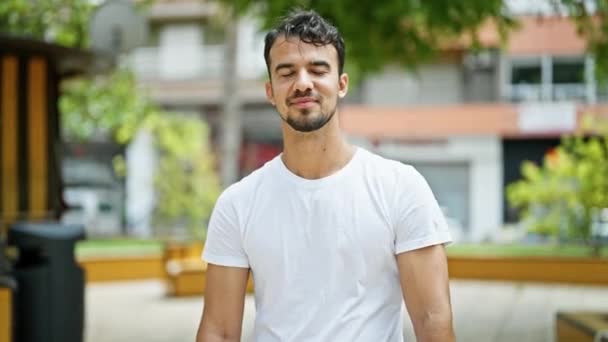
(596, 250)
(231, 116)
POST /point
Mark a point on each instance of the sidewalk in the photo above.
(483, 311)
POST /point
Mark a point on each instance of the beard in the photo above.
(303, 122)
(306, 125)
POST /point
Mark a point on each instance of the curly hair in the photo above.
(310, 28)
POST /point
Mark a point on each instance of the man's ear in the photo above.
(269, 93)
(343, 84)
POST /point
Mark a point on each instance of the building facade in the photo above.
(465, 121)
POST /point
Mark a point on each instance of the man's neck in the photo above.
(317, 154)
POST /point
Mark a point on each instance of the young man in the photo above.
(335, 236)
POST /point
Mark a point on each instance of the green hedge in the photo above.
(119, 247)
(518, 250)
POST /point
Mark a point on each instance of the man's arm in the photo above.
(424, 281)
(224, 301)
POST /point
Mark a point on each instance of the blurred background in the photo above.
(121, 121)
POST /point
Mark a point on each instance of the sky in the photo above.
(537, 6)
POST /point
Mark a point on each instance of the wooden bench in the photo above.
(187, 277)
(582, 327)
(6, 310)
(185, 270)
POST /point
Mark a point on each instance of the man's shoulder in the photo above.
(249, 184)
(392, 177)
(386, 167)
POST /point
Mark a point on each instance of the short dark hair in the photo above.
(310, 28)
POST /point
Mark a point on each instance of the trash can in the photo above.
(50, 285)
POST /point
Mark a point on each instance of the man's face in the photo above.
(304, 83)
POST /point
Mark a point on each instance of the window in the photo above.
(548, 78)
(526, 80)
(526, 74)
(568, 72)
(568, 80)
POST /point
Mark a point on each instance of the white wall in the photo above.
(251, 62)
(141, 161)
(430, 84)
(483, 154)
(180, 54)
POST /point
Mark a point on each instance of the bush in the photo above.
(559, 197)
(186, 182)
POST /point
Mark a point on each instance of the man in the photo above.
(334, 236)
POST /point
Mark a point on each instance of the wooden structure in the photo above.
(589, 271)
(123, 268)
(30, 72)
(581, 327)
(30, 179)
(5, 315)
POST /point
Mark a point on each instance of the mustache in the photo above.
(301, 94)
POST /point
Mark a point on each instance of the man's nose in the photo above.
(303, 82)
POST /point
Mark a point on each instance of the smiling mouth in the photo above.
(303, 102)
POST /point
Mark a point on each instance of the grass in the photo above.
(520, 250)
(118, 247)
(135, 247)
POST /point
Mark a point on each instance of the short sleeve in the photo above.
(419, 221)
(224, 245)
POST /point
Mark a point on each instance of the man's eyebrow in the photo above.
(283, 66)
(320, 63)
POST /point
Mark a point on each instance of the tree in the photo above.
(231, 123)
(560, 197)
(590, 18)
(105, 107)
(399, 32)
(408, 32)
(186, 183)
(402, 32)
(63, 22)
(112, 107)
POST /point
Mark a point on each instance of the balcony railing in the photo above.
(186, 63)
(558, 92)
(571, 91)
(525, 92)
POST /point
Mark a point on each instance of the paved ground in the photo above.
(483, 311)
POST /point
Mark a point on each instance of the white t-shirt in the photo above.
(322, 252)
